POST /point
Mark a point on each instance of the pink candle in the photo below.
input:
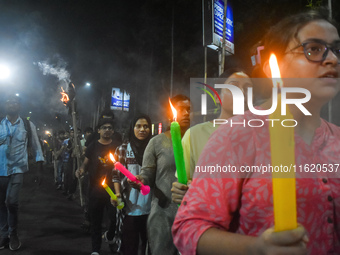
(144, 189)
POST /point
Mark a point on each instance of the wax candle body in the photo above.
(176, 138)
(145, 189)
(113, 196)
(282, 146)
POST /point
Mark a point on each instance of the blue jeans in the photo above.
(9, 203)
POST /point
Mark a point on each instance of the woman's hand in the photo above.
(284, 242)
(178, 191)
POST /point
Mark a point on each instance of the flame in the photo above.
(174, 112)
(275, 70)
(103, 181)
(64, 97)
(112, 158)
(73, 86)
(47, 132)
(45, 141)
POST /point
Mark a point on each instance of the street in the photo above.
(49, 223)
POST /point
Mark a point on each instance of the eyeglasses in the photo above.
(106, 128)
(138, 126)
(317, 50)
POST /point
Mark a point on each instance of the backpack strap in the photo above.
(29, 132)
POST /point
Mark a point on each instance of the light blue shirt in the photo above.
(13, 147)
(141, 204)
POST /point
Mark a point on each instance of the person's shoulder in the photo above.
(91, 146)
(202, 127)
(158, 138)
(238, 125)
(330, 127)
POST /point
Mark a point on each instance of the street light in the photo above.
(4, 72)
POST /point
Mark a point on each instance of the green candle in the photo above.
(176, 138)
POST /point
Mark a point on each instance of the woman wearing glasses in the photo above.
(235, 215)
(137, 206)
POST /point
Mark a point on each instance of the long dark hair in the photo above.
(138, 146)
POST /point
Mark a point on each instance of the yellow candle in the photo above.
(113, 196)
(282, 146)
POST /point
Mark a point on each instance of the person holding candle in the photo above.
(158, 171)
(233, 213)
(100, 167)
(137, 206)
(197, 136)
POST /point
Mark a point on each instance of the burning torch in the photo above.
(69, 100)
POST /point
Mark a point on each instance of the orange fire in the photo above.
(103, 181)
(112, 158)
(275, 70)
(174, 111)
(64, 97)
(45, 141)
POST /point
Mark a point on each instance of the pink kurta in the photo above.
(245, 205)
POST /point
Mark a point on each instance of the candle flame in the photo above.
(45, 141)
(103, 181)
(112, 158)
(275, 70)
(64, 97)
(174, 112)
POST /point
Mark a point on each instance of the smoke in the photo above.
(57, 69)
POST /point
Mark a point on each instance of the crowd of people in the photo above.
(211, 214)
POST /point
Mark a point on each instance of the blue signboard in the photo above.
(218, 25)
(126, 104)
(116, 99)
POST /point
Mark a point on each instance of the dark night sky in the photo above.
(124, 44)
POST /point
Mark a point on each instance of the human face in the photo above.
(183, 113)
(324, 83)
(141, 129)
(240, 80)
(87, 134)
(12, 106)
(105, 131)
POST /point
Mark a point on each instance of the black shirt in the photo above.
(101, 165)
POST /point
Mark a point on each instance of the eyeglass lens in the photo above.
(317, 51)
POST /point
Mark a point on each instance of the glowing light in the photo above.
(275, 70)
(88, 84)
(112, 158)
(64, 97)
(4, 72)
(174, 112)
(17, 94)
